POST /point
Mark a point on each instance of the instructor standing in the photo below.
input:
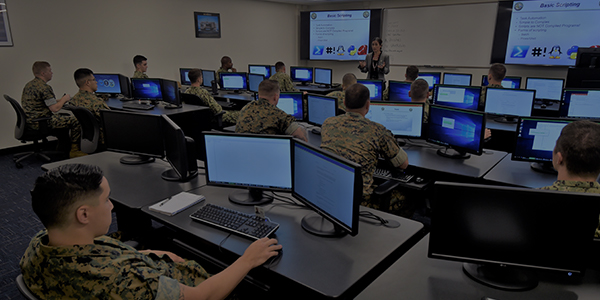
(376, 65)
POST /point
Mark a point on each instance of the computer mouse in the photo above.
(274, 259)
(543, 106)
(419, 180)
(316, 131)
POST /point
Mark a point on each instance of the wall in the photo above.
(105, 35)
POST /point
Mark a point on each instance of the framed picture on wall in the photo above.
(208, 25)
(5, 37)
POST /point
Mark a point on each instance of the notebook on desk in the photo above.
(177, 203)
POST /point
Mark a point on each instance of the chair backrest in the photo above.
(24, 289)
(90, 128)
(191, 99)
(21, 117)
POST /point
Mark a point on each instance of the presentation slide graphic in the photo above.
(339, 35)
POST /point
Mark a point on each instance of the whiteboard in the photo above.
(449, 35)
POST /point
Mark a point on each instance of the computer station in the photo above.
(313, 150)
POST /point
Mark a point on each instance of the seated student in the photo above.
(264, 117)
(285, 81)
(575, 157)
(348, 80)
(419, 92)
(195, 76)
(362, 141)
(226, 66)
(141, 66)
(411, 74)
(495, 76)
(38, 101)
(72, 258)
(86, 97)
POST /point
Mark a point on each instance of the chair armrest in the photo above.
(43, 123)
(386, 187)
(219, 118)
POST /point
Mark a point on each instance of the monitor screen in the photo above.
(260, 69)
(459, 129)
(331, 186)
(291, 104)
(457, 79)
(207, 77)
(580, 103)
(494, 229)
(545, 88)
(402, 119)
(375, 88)
(273, 70)
(112, 84)
(509, 82)
(146, 89)
(510, 102)
(301, 74)
(323, 76)
(234, 81)
(399, 91)
(253, 81)
(180, 153)
(431, 78)
(170, 92)
(536, 138)
(466, 97)
(184, 76)
(320, 108)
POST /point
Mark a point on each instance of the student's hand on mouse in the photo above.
(261, 250)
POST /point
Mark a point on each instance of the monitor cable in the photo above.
(382, 221)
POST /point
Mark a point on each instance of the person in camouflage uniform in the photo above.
(264, 117)
(141, 66)
(575, 157)
(285, 82)
(348, 80)
(195, 76)
(495, 76)
(411, 74)
(226, 66)
(419, 93)
(73, 259)
(86, 97)
(362, 141)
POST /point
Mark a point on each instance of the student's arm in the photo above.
(300, 134)
(59, 103)
(385, 66)
(390, 151)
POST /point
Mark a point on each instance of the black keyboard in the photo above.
(251, 226)
(387, 174)
(135, 105)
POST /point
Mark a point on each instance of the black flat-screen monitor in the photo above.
(509, 82)
(113, 84)
(457, 79)
(323, 76)
(588, 58)
(545, 88)
(466, 97)
(133, 133)
(460, 130)
(509, 103)
(170, 93)
(431, 78)
(291, 104)
(320, 108)
(146, 89)
(184, 76)
(250, 161)
(505, 234)
(303, 75)
(180, 152)
(399, 91)
(375, 88)
(234, 81)
(331, 186)
(273, 70)
(207, 77)
(254, 80)
(265, 70)
(402, 119)
(580, 103)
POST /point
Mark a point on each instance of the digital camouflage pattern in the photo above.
(285, 82)
(262, 117)
(208, 100)
(219, 71)
(108, 269)
(386, 94)
(90, 101)
(340, 95)
(139, 74)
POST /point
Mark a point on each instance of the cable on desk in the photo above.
(288, 200)
(223, 242)
(384, 222)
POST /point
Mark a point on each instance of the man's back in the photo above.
(35, 93)
(90, 101)
(262, 117)
(285, 82)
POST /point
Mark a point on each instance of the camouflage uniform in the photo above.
(285, 82)
(103, 270)
(219, 71)
(208, 100)
(262, 117)
(426, 111)
(340, 95)
(579, 187)
(386, 94)
(483, 93)
(90, 101)
(139, 74)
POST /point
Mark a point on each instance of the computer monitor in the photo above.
(466, 97)
(580, 103)
(431, 78)
(320, 108)
(113, 84)
(291, 104)
(588, 58)
(535, 141)
(170, 93)
(301, 74)
(509, 82)
(184, 76)
(546, 89)
(234, 81)
(250, 161)
(375, 88)
(265, 70)
(402, 119)
(254, 80)
(331, 186)
(458, 79)
(323, 76)
(133, 133)
(504, 234)
(509, 103)
(399, 91)
(273, 70)
(460, 130)
(146, 89)
(180, 153)
(207, 77)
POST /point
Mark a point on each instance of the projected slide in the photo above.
(339, 35)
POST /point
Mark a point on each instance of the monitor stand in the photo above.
(501, 277)
(506, 119)
(252, 196)
(313, 223)
(172, 106)
(136, 159)
(451, 153)
(543, 167)
(171, 175)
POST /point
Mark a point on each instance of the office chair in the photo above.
(25, 134)
(90, 128)
(195, 100)
(24, 289)
(383, 194)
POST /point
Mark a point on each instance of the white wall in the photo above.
(105, 35)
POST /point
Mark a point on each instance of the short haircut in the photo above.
(57, 192)
(138, 59)
(225, 60)
(498, 72)
(81, 75)
(268, 87)
(419, 89)
(348, 79)
(194, 75)
(279, 65)
(357, 96)
(39, 67)
(412, 72)
(378, 39)
(579, 144)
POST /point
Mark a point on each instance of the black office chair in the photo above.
(90, 128)
(24, 289)
(383, 194)
(25, 134)
(217, 119)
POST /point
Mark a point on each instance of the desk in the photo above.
(311, 265)
(238, 99)
(315, 89)
(415, 276)
(518, 173)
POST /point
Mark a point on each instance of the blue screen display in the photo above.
(291, 104)
(184, 76)
(301, 74)
(207, 77)
(580, 103)
(457, 79)
(323, 76)
(253, 81)
(170, 92)
(458, 129)
(375, 88)
(260, 69)
(536, 138)
(108, 83)
(431, 78)
(508, 82)
(457, 96)
(320, 108)
(233, 81)
(399, 91)
(146, 89)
